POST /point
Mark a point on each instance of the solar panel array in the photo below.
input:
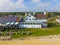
(8, 20)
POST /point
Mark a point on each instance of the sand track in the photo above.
(33, 41)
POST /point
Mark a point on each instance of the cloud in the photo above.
(36, 1)
(41, 6)
(56, 8)
(55, 0)
(37, 5)
(10, 6)
(51, 5)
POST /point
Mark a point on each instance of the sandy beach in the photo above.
(45, 40)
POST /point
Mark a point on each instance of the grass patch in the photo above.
(55, 30)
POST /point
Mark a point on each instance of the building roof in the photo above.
(9, 19)
(40, 16)
(33, 18)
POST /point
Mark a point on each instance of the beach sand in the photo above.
(33, 41)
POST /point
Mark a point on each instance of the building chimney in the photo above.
(44, 12)
(33, 12)
(25, 13)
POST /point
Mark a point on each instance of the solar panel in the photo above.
(7, 23)
(0, 24)
(11, 23)
(10, 20)
(16, 23)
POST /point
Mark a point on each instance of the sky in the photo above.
(29, 5)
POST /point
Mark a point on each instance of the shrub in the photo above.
(51, 24)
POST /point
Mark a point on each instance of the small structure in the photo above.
(58, 20)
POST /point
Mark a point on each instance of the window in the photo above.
(44, 22)
(29, 19)
(33, 19)
(25, 23)
(36, 23)
(29, 16)
(28, 23)
(21, 23)
(25, 19)
(39, 23)
(33, 23)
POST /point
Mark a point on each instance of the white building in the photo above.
(33, 21)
